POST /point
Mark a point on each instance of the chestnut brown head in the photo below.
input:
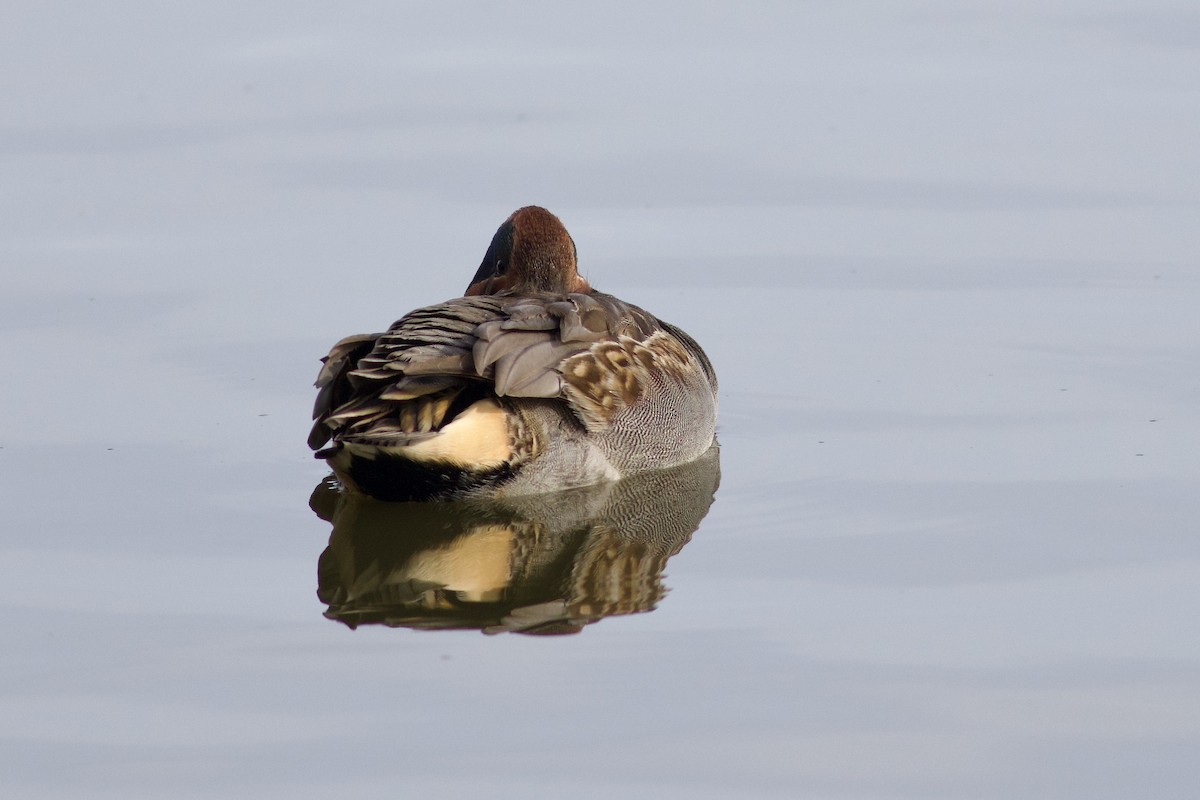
(531, 252)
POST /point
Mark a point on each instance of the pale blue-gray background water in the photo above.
(944, 256)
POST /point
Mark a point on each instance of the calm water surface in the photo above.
(943, 260)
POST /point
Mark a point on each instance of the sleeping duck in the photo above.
(531, 382)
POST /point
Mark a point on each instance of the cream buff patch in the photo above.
(478, 438)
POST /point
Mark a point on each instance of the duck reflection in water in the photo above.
(541, 564)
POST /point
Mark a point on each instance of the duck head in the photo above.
(531, 252)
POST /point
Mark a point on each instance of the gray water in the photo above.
(944, 257)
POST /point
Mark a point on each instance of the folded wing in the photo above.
(404, 385)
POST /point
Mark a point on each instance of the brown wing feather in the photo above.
(333, 386)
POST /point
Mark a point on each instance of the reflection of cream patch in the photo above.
(475, 565)
(477, 438)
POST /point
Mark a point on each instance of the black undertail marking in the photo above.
(398, 479)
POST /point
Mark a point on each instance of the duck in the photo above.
(531, 382)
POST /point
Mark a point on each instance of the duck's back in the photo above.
(513, 394)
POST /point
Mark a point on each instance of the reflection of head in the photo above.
(539, 564)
